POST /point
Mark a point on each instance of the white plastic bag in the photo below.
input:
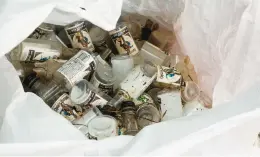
(220, 36)
(217, 35)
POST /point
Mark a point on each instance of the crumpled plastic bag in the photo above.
(220, 36)
(216, 35)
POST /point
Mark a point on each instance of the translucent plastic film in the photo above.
(221, 38)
